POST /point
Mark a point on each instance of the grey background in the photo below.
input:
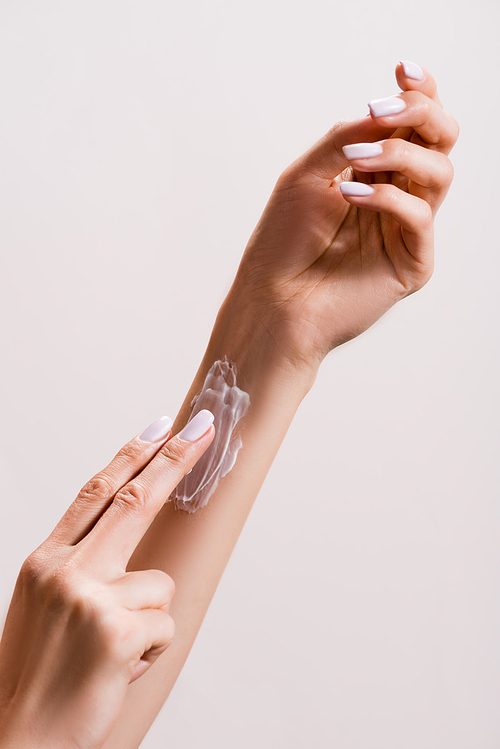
(139, 144)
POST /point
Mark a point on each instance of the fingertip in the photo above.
(413, 77)
(356, 189)
(158, 431)
(411, 70)
(198, 426)
(208, 435)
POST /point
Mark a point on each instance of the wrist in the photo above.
(275, 382)
(249, 334)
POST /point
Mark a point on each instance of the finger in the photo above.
(410, 244)
(325, 158)
(154, 630)
(412, 77)
(143, 589)
(97, 493)
(435, 127)
(140, 668)
(134, 507)
(430, 172)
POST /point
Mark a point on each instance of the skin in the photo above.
(318, 270)
(322, 266)
(80, 628)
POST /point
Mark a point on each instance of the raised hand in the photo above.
(348, 229)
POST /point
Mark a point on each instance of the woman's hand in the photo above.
(322, 264)
(80, 628)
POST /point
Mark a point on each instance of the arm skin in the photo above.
(319, 269)
(195, 548)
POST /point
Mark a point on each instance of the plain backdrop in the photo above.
(140, 141)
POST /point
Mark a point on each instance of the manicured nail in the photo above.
(385, 107)
(362, 150)
(157, 430)
(412, 70)
(355, 188)
(197, 427)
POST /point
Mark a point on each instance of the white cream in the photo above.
(229, 404)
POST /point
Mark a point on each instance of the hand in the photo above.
(80, 628)
(321, 267)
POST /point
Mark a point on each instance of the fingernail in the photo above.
(412, 70)
(384, 107)
(197, 427)
(355, 188)
(362, 150)
(157, 430)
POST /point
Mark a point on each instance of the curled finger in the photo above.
(410, 242)
(413, 77)
(153, 633)
(430, 171)
(144, 589)
(434, 127)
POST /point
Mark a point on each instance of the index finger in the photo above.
(95, 496)
(116, 534)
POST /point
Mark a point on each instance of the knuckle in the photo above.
(98, 487)
(168, 585)
(173, 453)
(335, 133)
(113, 630)
(455, 129)
(425, 105)
(60, 588)
(168, 629)
(426, 217)
(113, 633)
(422, 276)
(65, 591)
(427, 275)
(418, 276)
(392, 196)
(133, 497)
(33, 569)
(418, 104)
(448, 172)
(337, 136)
(442, 174)
(57, 586)
(400, 150)
(160, 576)
(131, 452)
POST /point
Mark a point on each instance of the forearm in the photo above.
(195, 548)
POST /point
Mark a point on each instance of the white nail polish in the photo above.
(412, 70)
(197, 427)
(385, 107)
(358, 189)
(157, 430)
(362, 150)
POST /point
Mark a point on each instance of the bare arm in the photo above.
(345, 235)
(195, 548)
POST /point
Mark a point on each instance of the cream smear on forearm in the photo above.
(229, 404)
